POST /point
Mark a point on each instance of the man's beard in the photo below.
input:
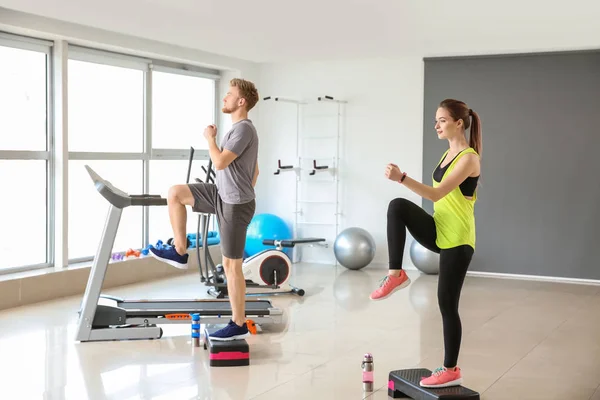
(226, 110)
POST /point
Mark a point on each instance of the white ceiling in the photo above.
(281, 30)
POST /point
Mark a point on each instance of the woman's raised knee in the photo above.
(397, 206)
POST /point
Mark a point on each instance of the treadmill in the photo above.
(105, 317)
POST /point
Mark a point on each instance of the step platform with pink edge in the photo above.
(404, 384)
(231, 353)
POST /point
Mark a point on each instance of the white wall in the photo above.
(383, 124)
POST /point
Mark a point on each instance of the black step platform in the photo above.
(404, 384)
(232, 353)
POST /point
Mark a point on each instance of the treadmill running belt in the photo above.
(150, 308)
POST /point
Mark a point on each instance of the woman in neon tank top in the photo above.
(449, 232)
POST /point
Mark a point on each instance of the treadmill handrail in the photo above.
(119, 198)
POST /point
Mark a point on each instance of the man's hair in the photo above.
(247, 91)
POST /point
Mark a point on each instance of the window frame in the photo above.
(46, 47)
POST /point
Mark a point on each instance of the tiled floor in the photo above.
(521, 340)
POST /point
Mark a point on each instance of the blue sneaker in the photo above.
(171, 257)
(231, 332)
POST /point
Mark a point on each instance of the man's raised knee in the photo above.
(180, 194)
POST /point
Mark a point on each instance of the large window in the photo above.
(23, 99)
(106, 119)
(109, 129)
(88, 209)
(24, 211)
(106, 108)
(131, 119)
(182, 106)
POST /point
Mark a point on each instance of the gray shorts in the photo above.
(233, 219)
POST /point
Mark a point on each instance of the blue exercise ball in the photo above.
(265, 226)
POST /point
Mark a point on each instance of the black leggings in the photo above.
(404, 214)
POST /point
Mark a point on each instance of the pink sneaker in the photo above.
(442, 377)
(389, 284)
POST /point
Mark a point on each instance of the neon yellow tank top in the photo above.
(454, 215)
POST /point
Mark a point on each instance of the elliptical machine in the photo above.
(267, 272)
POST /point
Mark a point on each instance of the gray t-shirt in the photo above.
(234, 183)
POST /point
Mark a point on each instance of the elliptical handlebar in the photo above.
(210, 172)
(278, 243)
(203, 223)
(121, 199)
(290, 242)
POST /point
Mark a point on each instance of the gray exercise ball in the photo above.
(424, 259)
(354, 248)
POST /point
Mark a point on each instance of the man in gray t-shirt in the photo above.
(235, 181)
(231, 199)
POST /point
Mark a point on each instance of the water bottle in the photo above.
(367, 372)
(196, 330)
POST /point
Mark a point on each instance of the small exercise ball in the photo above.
(424, 259)
(265, 226)
(354, 248)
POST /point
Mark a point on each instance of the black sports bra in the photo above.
(467, 187)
